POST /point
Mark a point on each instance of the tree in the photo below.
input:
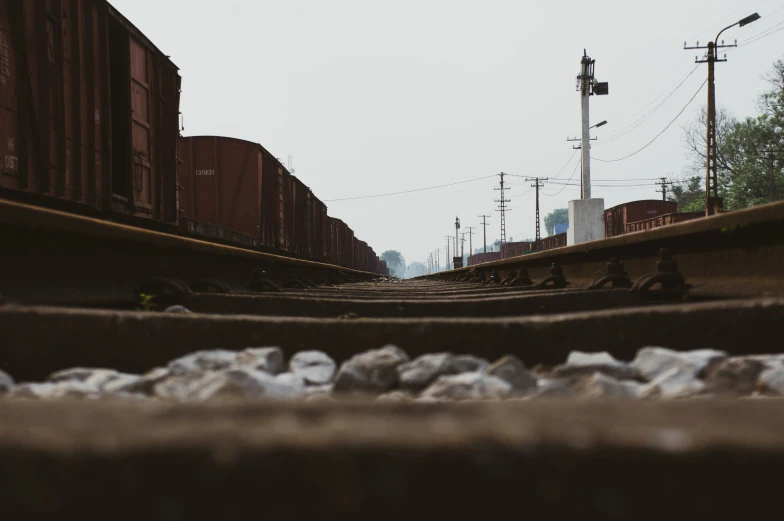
(395, 262)
(689, 195)
(416, 269)
(750, 154)
(558, 216)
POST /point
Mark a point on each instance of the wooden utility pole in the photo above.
(484, 229)
(663, 183)
(714, 203)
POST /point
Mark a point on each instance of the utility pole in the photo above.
(484, 229)
(438, 260)
(587, 86)
(470, 240)
(537, 184)
(448, 240)
(462, 243)
(713, 203)
(502, 208)
(663, 183)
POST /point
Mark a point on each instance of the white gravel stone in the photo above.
(245, 383)
(422, 371)
(512, 370)
(97, 378)
(676, 382)
(601, 386)
(652, 362)
(771, 381)
(267, 359)
(373, 371)
(291, 379)
(201, 361)
(468, 386)
(144, 384)
(581, 364)
(179, 387)
(55, 390)
(315, 367)
(470, 364)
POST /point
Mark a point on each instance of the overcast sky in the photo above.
(378, 96)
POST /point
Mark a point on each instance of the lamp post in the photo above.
(713, 203)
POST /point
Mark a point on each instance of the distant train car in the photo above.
(481, 258)
(616, 218)
(662, 220)
(89, 111)
(515, 249)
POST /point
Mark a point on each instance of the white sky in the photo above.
(373, 96)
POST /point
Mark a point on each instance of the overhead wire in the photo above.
(657, 135)
(408, 191)
(644, 117)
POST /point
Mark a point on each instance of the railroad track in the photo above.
(569, 323)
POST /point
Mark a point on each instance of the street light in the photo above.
(600, 124)
(713, 203)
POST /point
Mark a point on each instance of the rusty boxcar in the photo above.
(234, 184)
(662, 220)
(88, 110)
(615, 218)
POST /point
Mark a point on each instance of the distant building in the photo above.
(560, 228)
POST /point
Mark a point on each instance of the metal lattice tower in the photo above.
(502, 208)
(538, 183)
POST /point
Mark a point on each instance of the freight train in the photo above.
(625, 218)
(89, 123)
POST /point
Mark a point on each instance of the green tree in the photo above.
(750, 154)
(689, 194)
(558, 216)
(395, 262)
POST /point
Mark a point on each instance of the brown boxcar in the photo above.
(662, 220)
(361, 262)
(237, 185)
(88, 109)
(343, 243)
(515, 249)
(320, 237)
(615, 218)
(481, 258)
(550, 243)
(221, 183)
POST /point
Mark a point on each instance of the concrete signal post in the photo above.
(586, 214)
(457, 262)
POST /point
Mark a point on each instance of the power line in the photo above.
(763, 34)
(408, 191)
(647, 115)
(564, 188)
(657, 135)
